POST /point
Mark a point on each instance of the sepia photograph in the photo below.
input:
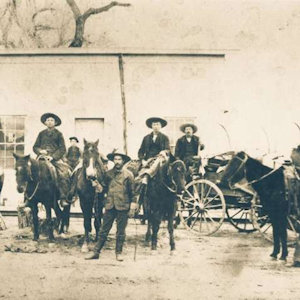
(149, 149)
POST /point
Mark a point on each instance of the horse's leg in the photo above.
(49, 222)
(148, 233)
(34, 209)
(276, 240)
(98, 208)
(155, 227)
(87, 210)
(171, 231)
(283, 237)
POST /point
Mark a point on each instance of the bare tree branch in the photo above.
(75, 9)
(40, 11)
(94, 11)
(44, 27)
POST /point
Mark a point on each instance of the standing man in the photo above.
(188, 146)
(50, 144)
(120, 201)
(73, 153)
(155, 144)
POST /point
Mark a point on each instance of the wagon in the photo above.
(207, 200)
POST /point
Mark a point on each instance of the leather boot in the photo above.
(93, 255)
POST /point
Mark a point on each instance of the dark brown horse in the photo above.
(160, 199)
(270, 187)
(91, 201)
(34, 179)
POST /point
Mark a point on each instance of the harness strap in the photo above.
(264, 176)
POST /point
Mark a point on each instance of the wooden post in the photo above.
(2, 223)
(24, 217)
(124, 112)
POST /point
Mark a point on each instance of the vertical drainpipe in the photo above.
(124, 112)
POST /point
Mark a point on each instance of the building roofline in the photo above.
(119, 52)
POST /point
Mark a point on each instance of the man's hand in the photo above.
(133, 209)
(98, 187)
(49, 157)
(144, 163)
(44, 152)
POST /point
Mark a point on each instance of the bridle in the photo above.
(243, 162)
(170, 173)
(30, 179)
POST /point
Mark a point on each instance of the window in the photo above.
(172, 129)
(12, 129)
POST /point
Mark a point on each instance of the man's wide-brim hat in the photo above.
(183, 126)
(74, 138)
(155, 120)
(45, 116)
(112, 155)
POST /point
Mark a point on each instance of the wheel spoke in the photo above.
(195, 220)
(210, 217)
(212, 199)
(189, 193)
(206, 196)
(213, 206)
(191, 215)
(236, 213)
(267, 227)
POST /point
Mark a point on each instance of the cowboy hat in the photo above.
(183, 126)
(74, 138)
(45, 116)
(112, 155)
(156, 119)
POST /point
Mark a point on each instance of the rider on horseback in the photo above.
(50, 145)
(154, 149)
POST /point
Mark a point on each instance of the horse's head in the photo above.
(23, 171)
(177, 172)
(91, 158)
(235, 170)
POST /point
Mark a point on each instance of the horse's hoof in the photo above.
(296, 264)
(283, 258)
(85, 248)
(172, 252)
(273, 256)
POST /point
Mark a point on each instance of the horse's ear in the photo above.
(97, 143)
(84, 141)
(16, 156)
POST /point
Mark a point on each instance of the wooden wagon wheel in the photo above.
(262, 222)
(202, 208)
(240, 217)
(239, 211)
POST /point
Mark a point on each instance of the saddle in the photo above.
(52, 169)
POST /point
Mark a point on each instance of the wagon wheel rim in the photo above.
(262, 223)
(240, 215)
(202, 208)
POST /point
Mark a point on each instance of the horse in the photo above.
(270, 187)
(90, 200)
(35, 180)
(161, 196)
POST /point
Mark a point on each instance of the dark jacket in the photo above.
(73, 154)
(52, 141)
(150, 149)
(181, 144)
(119, 187)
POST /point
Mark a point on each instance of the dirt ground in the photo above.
(228, 265)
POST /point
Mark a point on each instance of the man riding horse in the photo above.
(154, 148)
(50, 145)
(73, 153)
(188, 147)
